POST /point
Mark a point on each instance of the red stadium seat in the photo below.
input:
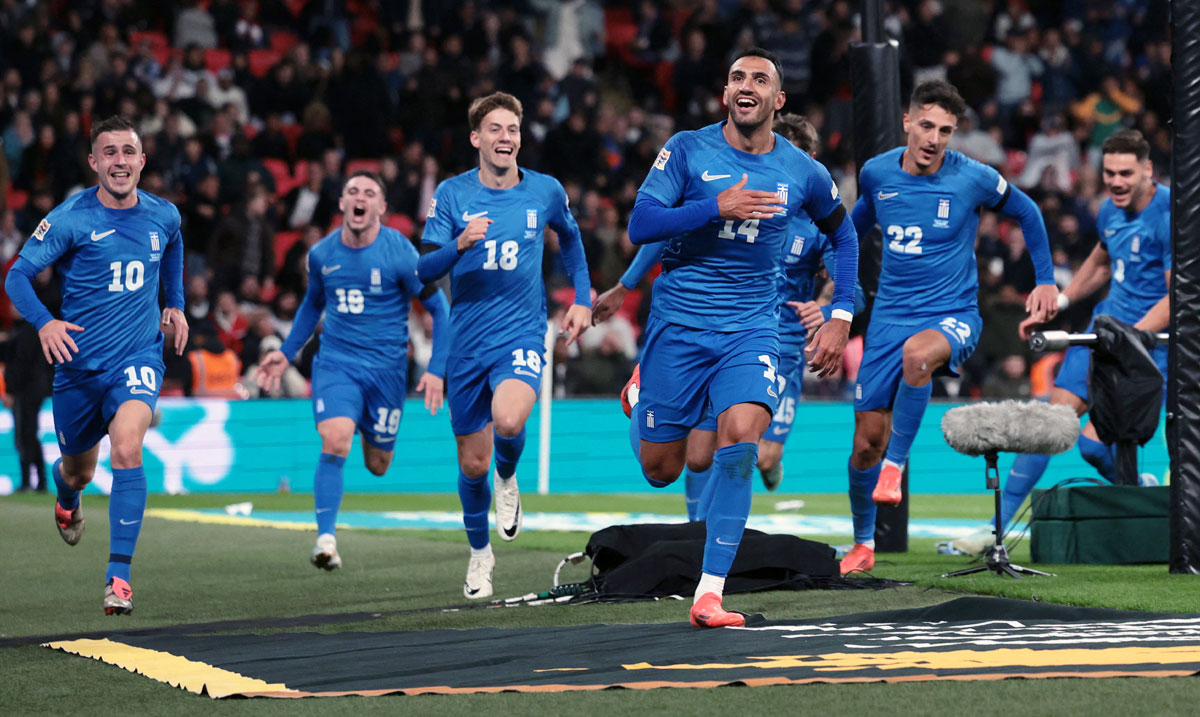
(354, 165)
(282, 41)
(250, 130)
(261, 61)
(401, 223)
(16, 199)
(291, 133)
(216, 59)
(157, 40)
(282, 173)
(334, 223)
(284, 242)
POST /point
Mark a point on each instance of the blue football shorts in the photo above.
(689, 373)
(471, 380)
(790, 383)
(882, 366)
(86, 401)
(372, 397)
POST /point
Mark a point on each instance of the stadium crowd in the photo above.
(252, 113)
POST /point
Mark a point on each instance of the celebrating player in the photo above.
(723, 196)
(926, 199)
(486, 229)
(800, 316)
(109, 246)
(1134, 257)
(363, 276)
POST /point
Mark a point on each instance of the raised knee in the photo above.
(507, 426)
(125, 454)
(868, 450)
(79, 479)
(474, 466)
(699, 465)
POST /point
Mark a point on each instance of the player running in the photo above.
(112, 248)
(486, 229)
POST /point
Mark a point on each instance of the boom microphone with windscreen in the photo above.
(1011, 426)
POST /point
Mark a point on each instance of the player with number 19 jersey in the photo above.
(109, 263)
(497, 295)
(720, 282)
(361, 367)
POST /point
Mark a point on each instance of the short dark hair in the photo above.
(116, 123)
(797, 130)
(1127, 141)
(940, 93)
(765, 54)
(495, 101)
(369, 174)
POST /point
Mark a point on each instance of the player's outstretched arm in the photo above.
(432, 383)
(577, 320)
(1093, 273)
(270, 370)
(570, 241)
(1042, 303)
(610, 301)
(173, 319)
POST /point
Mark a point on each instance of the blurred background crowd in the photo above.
(252, 112)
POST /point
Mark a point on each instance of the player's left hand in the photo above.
(1042, 304)
(577, 320)
(434, 389)
(824, 352)
(810, 315)
(172, 317)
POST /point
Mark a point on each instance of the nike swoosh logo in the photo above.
(779, 431)
(129, 522)
(722, 542)
(471, 591)
(511, 531)
(469, 217)
(327, 270)
(385, 439)
(713, 177)
(98, 237)
(523, 372)
(324, 510)
(141, 391)
(1109, 232)
(886, 195)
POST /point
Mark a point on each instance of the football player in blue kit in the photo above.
(1133, 257)
(363, 277)
(800, 316)
(926, 199)
(722, 196)
(486, 230)
(113, 247)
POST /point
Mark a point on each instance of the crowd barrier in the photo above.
(208, 445)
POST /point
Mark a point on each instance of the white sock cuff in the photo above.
(709, 584)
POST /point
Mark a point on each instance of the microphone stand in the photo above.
(997, 556)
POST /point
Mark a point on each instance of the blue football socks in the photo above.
(508, 452)
(1101, 456)
(1026, 471)
(695, 488)
(68, 497)
(327, 492)
(475, 494)
(126, 506)
(907, 412)
(726, 519)
(862, 506)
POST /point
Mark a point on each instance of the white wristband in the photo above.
(841, 314)
(1063, 301)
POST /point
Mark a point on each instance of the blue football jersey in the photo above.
(929, 225)
(724, 276)
(803, 252)
(496, 288)
(1139, 246)
(365, 294)
(108, 261)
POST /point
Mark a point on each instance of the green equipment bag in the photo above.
(1100, 525)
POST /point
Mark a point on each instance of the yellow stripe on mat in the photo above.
(174, 670)
(192, 516)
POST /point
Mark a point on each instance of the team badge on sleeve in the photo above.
(40, 233)
(1001, 186)
(663, 156)
(432, 208)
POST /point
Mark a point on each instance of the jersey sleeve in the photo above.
(52, 238)
(667, 178)
(409, 258)
(439, 220)
(1162, 235)
(821, 198)
(991, 189)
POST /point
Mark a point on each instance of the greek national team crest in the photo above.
(797, 245)
(943, 213)
(154, 242)
(376, 280)
(531, 221)
(781, 190)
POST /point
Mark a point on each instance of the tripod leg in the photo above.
(1031, 571)
(965, 571)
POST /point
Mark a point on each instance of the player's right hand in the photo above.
(270, 370)
(1027, 326)
(737, 202)
(476, 230)
(608, 303)
(809, 313)
(57, 344)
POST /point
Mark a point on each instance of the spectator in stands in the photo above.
(244, 242)
(262, 328)
(227, 93)
(231, 324)
(293, 274)
(1010, 380)
(201, 214)
(317, 136)
(270, 141)
(308, 203)
(215, 370)
(194, 26)
(194, 165)
(1052, 147)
